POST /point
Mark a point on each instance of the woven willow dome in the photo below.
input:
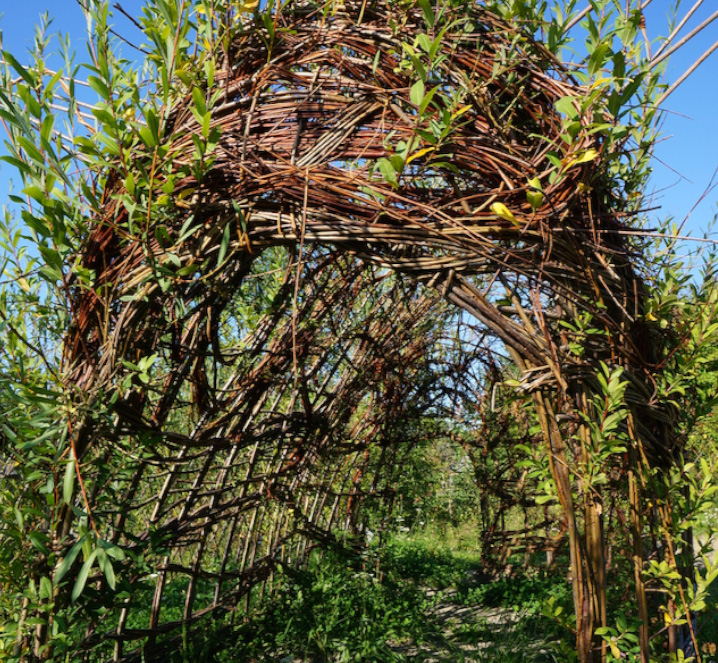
(385, 164)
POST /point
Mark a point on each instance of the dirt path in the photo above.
(469, 634)
(460, 630)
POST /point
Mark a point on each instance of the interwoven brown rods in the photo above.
(320, 138)
(300, 136)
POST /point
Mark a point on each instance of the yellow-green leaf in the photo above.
(583, 157)
(504, 212)
(247, 7)
(186, 193)
(420, 153)
(535, 199)
(459, 112)
(535, 183)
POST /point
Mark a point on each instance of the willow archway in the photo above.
(362, 139)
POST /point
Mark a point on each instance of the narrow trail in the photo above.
(469, 634)
(459, 629)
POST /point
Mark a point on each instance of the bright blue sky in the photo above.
(690, 130)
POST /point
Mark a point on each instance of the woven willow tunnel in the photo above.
(274, 406)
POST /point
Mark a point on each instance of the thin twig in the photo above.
(661, 100)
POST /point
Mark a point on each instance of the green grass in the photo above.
(336, 610)
(419, 597)
(422, 561)
(394, 606)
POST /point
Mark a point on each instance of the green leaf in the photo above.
(109, 574)
(419, 67)
(36, 193)
(110, 144)
(39, 541)
(100, 87)
(397, 161)
(409, 49)
(428, 11)
(224, 245)
(199, 102)
(112, 550)
(567, 106)
(10, 59)
(209, 73)
(68, 484)
(268, 23)
(426, 101)
(130, 184)
(387, 171)
(147, 137)
(187, 228)
(146, 362)
(35, 621)
(45, 588)
(417, 93)
(82, 576)
(68, 560)
(424, 41)
(153, 125)
(206, 124)
(52, 274)
(52, 257)
(554, 159)
(17, 163)
(534, 195)
(47, 126)
(631, 89)
(598, 58)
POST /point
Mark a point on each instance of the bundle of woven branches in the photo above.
(321, 140)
